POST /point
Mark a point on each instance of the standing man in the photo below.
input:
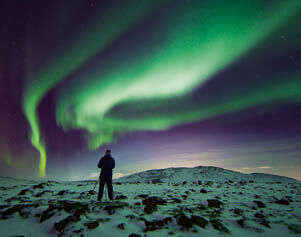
(106, 164)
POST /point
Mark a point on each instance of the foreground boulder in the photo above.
(134, 235)
(154, 201)
(199, 221)
(282, 202)
(184, 221)
(91, 224)
(156, 224)
(214, 203)
(60, 226)
(219, 226)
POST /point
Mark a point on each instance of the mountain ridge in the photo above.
(202, 173)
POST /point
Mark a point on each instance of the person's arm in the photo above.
(113, 163)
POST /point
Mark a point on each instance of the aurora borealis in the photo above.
(162, 83)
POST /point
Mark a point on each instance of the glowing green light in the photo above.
(195, 48)
(97, 37)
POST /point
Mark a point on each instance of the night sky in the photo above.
(160, 83)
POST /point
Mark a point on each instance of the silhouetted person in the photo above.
(106, 164)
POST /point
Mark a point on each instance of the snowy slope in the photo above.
(202, 173)
(224, 202)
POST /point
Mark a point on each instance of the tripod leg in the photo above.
(95, 184)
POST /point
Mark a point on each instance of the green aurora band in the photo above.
(97, 37)
(195, 49)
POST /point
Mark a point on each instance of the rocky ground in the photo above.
(207, 208)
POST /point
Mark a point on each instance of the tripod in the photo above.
(96, 184)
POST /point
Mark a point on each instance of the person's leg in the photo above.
(101, 186)
(110, 187)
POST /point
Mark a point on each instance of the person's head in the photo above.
(108, 152)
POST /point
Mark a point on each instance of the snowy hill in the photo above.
(200, 173)
(200, 201)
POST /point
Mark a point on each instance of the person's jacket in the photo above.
(106, 164)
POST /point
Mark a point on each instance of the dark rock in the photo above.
(91, 224)
(142, 196)
(42, 193)
(241, 222)
(293, 228)
(111, 209)
(60, 226)
(78, 231)
(117, 183)
(203, 191)
(259, 215)
(219, 226)
(79, 185)
(134, 235)
(71, 206)
(238, 211)
(186, 209)
(48, 213)
(176, 200)
(3, 206)
(184, 221)
(17, 208)
(60, 193)
(135, 182)
(214, 203)
(38, 215)
(257, 196)
(263, 222)
(282, 202)
(24, 191)
(121, 226)
(131, 217)
(91, 192)
(150, 208)
(120, 197)
(289, 198)
(154, 225)
(138, 203)
(260, 204)
(199, 221)
(38, 186)
(167, 220)
(154, 201)
(199, 182)
(156, 181)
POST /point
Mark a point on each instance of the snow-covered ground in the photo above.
(200, 201)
